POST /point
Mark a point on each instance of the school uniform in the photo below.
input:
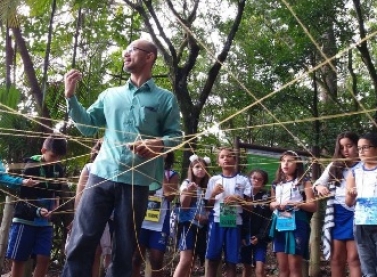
(190, 230)
(224, 229)
(342, 216)
(365, 229)
(31, 233)
(290, 237)
(155, 228)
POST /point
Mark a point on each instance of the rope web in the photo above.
(193, 137)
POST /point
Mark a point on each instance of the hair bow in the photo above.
(207, 160)
(195, 157)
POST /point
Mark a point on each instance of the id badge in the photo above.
(286, 221)
(228, 215)
(154, 208)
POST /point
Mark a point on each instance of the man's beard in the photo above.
(126, 69)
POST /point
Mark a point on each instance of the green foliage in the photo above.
(269, 58)
(9, 98)
(270, 50)
(8, 12)
(12, 124)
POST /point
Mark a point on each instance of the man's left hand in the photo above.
(148, 148)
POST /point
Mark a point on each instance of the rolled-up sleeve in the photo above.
(7, 180)
(87, 121)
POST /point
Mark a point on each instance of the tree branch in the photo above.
(182, 47)
(175, 13)
(170, 58)
(28, 67)
(192, 43)
(47, 54)
(31, 75)
(363, 47)
(214, 71)
(354, 80)
(192, 15)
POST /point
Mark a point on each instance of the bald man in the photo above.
(141, 120)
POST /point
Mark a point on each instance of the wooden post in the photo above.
(4, 228)
(236, 146)
(315, 236)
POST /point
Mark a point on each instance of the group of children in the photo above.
(350, 226)
(232, 217)
(227, 217)
(242, 217)
(210, 219)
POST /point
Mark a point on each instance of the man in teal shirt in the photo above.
(141, 121)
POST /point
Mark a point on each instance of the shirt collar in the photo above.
(148, 85)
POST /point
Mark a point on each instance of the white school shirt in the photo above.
(289, 192)
(237, 184)
(340, 191)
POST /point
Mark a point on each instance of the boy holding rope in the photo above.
(31, 231)
(225, 197)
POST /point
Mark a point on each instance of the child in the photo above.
(361, 192)
(31, 231)
(338, 240)
(192, 214)
(290, 228)
(105, 246)
(225, 193)
(155, 228)
(255, 228)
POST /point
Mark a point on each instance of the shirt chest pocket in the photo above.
(146, 119)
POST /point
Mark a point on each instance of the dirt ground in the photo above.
(198, 271)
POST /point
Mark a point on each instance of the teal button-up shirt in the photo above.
(7, 180)
(129, 113)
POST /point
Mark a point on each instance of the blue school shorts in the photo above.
(250, 254)
(25, 240)
(226, 238)
(154, 239)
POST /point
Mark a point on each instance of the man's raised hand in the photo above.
(71, 78)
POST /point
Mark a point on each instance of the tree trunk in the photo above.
(328, 71)
(32, 78)
(364, 50)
